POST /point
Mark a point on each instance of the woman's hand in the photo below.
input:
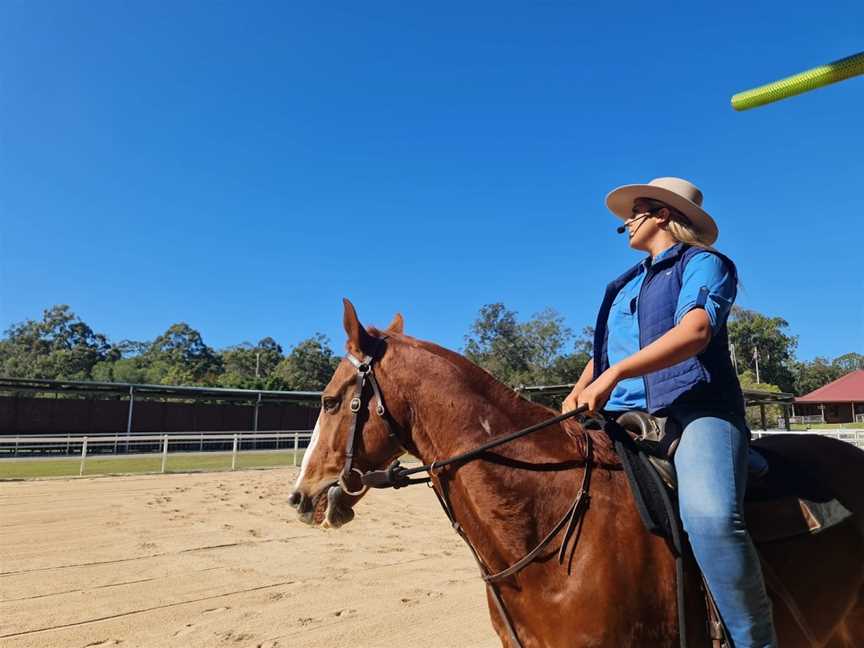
(569, 403)
(595, 395)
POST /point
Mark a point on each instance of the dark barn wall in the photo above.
(20, 415)
(834, 412)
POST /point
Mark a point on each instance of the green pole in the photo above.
(798, 83)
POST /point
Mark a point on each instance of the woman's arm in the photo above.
(685, 340)
(584, 380)
(688, 338)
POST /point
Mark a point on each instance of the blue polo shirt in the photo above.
(704, 270)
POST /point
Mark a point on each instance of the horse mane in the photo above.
(603, 451)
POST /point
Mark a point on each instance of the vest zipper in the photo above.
(639, 321)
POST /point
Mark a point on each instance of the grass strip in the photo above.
(177, 463)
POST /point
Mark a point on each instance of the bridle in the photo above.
(364, 375)
(397, 476)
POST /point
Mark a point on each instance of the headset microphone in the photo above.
(623, 228)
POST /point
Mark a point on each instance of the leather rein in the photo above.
(397, 476)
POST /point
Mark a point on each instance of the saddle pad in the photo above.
(779, 519)
(653, 500)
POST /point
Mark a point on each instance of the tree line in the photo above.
(534, 351)
(61, 346)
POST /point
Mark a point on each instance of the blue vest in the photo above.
(708, 380)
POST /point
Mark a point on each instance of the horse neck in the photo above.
(456, 406)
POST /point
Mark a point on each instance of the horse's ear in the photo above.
(397, 325)
(359, 340)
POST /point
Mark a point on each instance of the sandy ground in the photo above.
(220, 560)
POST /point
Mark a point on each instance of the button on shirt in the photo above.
(705, 273)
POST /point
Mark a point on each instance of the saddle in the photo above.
(782, 501)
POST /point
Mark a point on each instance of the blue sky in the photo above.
(243, 166)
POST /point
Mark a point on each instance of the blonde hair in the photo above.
(682, 230)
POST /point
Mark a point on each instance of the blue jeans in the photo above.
(711, 462)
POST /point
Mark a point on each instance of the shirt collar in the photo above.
(647, 262)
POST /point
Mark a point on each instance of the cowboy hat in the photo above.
(675, 192)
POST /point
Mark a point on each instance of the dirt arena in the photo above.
(219, 559)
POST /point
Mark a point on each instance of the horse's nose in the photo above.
(303, 504)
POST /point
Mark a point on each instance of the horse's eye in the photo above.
(330, 404)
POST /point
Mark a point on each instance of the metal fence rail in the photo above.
(46, 447)
(42, 447)
(121, 443)
(814, 418)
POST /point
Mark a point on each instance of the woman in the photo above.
(661, 346)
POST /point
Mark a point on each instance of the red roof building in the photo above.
(841, 401)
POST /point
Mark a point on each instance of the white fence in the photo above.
(45, 447)
(815, 418)
(42, 447)
(121, 442)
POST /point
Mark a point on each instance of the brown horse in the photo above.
(618, 586)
